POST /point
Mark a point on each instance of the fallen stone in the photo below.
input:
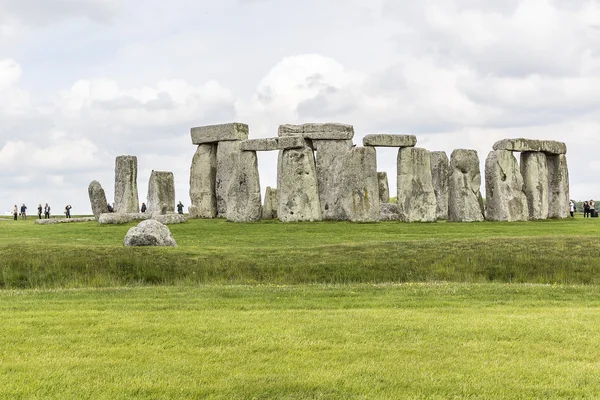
(161, 192)
(416, 198)
(359, 186)
(327, 131)
(505, 198)
(126, 190)
(149, 233)
(389, 212)
(203, 178)
(219, 133)
(384, 187)
(330, 156)
(114, 219)
(522, 145)
(243, 192)
(169, 219)
(534, 169)
(439, 174)
(269, 210)
(464, 196)
(390, 140)
(53, 221)
(97, 199)
(558, 186)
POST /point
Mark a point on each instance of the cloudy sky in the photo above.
(83, 81)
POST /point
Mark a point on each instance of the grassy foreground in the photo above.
(434, 341)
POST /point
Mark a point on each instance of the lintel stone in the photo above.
(313, 131)
(273, 144)
(550, 147)
(390, 140)
(219, 133)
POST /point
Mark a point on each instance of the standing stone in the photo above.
(384, 187)
(126, 191)
(330, 155)
(416, 198)
(269, 210)
(558, 187)
(505, 198)
(228, 159)
(243, 193)
(359, 187)
(161, 192)
(298, 188)
(464, 198)
(439, 174)
(534, 168)
(203, 177)
(97, 199)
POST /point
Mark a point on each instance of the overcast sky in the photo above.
(83, 81)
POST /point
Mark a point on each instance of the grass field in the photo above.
(325, 310)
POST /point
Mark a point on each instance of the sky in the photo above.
(84, 81)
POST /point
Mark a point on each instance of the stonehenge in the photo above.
(384, 187)
(97, 199)
(534, 169)
(149, 233)
(416, 198)
(330, 156)
(203, 176)
(126, 193)
(269, 210)
(505, 195)
(465, 203)
(359, 185)
(439, 174)
(161, 192)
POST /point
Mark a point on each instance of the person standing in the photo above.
(180, 208)
(144, 208)
(572, 208)
(40, 211)
(586, 209)
(47, 211)
(15, 212)
(68, 211)
(592, 209)
(23, 211)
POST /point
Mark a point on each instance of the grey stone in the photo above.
(439, 173)
(505, 199)
(298, 189)
(169, 219)
(114, 218)
(269, 210)
(416, 198)
(465, 200)
(389, 212)
(243, 192)
(558, 187)
(292, 142)
(384, 187)
(359, 187)
(521, 145)
(228, 159)
(161, 192)
(326, 131)
(53, 221)
(203, 178)
(126, 190)
(390, 140)
(149, 233)
(534, 169)
(97, 199)
(267, 144)
(219, 133)
(330, 156)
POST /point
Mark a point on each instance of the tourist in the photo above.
(572, 208)
(144, 207)
(180, 208)
(68, 211)
(592, 209)
(23, 211)
(47, 211)
(40, 211)
(15, 212)
(586, 209)
(110, 208)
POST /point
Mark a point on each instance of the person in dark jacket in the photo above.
(23, 211)
(180, 208)
(47, 211)
(40, 211)
(68, 211)
(144, 208)
(586, 209)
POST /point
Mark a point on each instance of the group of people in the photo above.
(589, 209)
(144, 208)
(45, 210)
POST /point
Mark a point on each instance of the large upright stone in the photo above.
(359, 188)
(228, 159)
(219, 133)
(505, 198)
(558, 187)
(439, 175)
(97, 199)
(298, 188)
(534, 169)
(330, 155)
(126, 190)
(269, 210)
(465, 203)
(384, 187)
(549, 147)
(243, 192)
(203, 178)
(416, 198)
(161, 192)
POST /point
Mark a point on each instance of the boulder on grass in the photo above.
(149, 233)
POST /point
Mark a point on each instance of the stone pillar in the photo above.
(384, 187)
(359, 187)
(534, 168)
(416, 198)
(505, 198)
(228, 158)
(203, 177)
(558, 186)
(330, 155)
(126, 191)
(269, 210)
(465, 203)
(161, 192)
(243, 192)
(97, 199)
(439, 174)
(298, 192)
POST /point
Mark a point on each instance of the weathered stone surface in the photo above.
(416, 198)
(298, 189)
(161, 192)
(545, 146)
(330, 155)
(384, 187)
(439, 174)
(114, 219)
(97, 199)
(327, 131)
(266, 144)
(359, 188)
(149, 233)
(169, 219)
(292, 142)
(243, 192)
(219, 133)
(389, 212)
(464, 196)
(228, 159)
(558, 187)
(534, 169)
(390, 140)
(505, 198)
(53, 221)
(203, 178)
(126, 190)
(269, 210)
